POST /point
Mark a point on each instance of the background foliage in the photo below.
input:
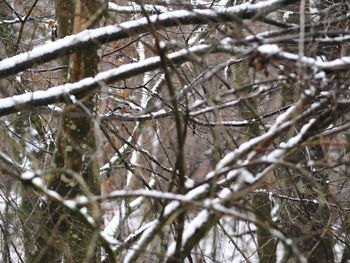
(175, 131)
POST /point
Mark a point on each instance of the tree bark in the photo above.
(62, 236)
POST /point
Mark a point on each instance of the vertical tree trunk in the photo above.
(65, 18)
(262, 203)
(76, 142)
(266, 243)
(63, 236)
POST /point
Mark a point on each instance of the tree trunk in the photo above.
(63, 236)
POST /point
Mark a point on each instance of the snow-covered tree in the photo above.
(174, 131)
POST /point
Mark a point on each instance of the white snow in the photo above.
(296, 139)
(269, 49)
(113, 225)
(41, 95)
(224, 193)
(189, 183)
(83, 210)
(246, 176)
(28, 175)
(122, 30)
(138, 67)
(109, 239)
(212, 108)
(192, 227)
(148, 231)
(171, 207)
(73, 99)
(105, 168)
(56, 45)
(90, 219)
(286, 15)
(54, 194)
(70, 204)
(38, 182)
(81, 200)
(133, 8)
(320, 75)
(197, 191)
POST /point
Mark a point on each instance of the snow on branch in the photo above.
(272, 50)
(154, 194)
(169, 211)
(200, 222)
(12, 21)
(242, 179)
(60, 93)
(242, 123)
(35, 181)
(196, 195)
(137, 117)
(133, 8)
(8, 160)
(283, 122)
(110, 33)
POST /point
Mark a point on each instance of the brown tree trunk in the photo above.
(63, 236)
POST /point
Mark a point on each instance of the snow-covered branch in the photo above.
(202, 222)
(242, 178)
(339, 64)
(34, 180)
(110, 33)
(134, 8)
(61, 93)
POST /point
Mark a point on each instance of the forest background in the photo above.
(174, 131)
